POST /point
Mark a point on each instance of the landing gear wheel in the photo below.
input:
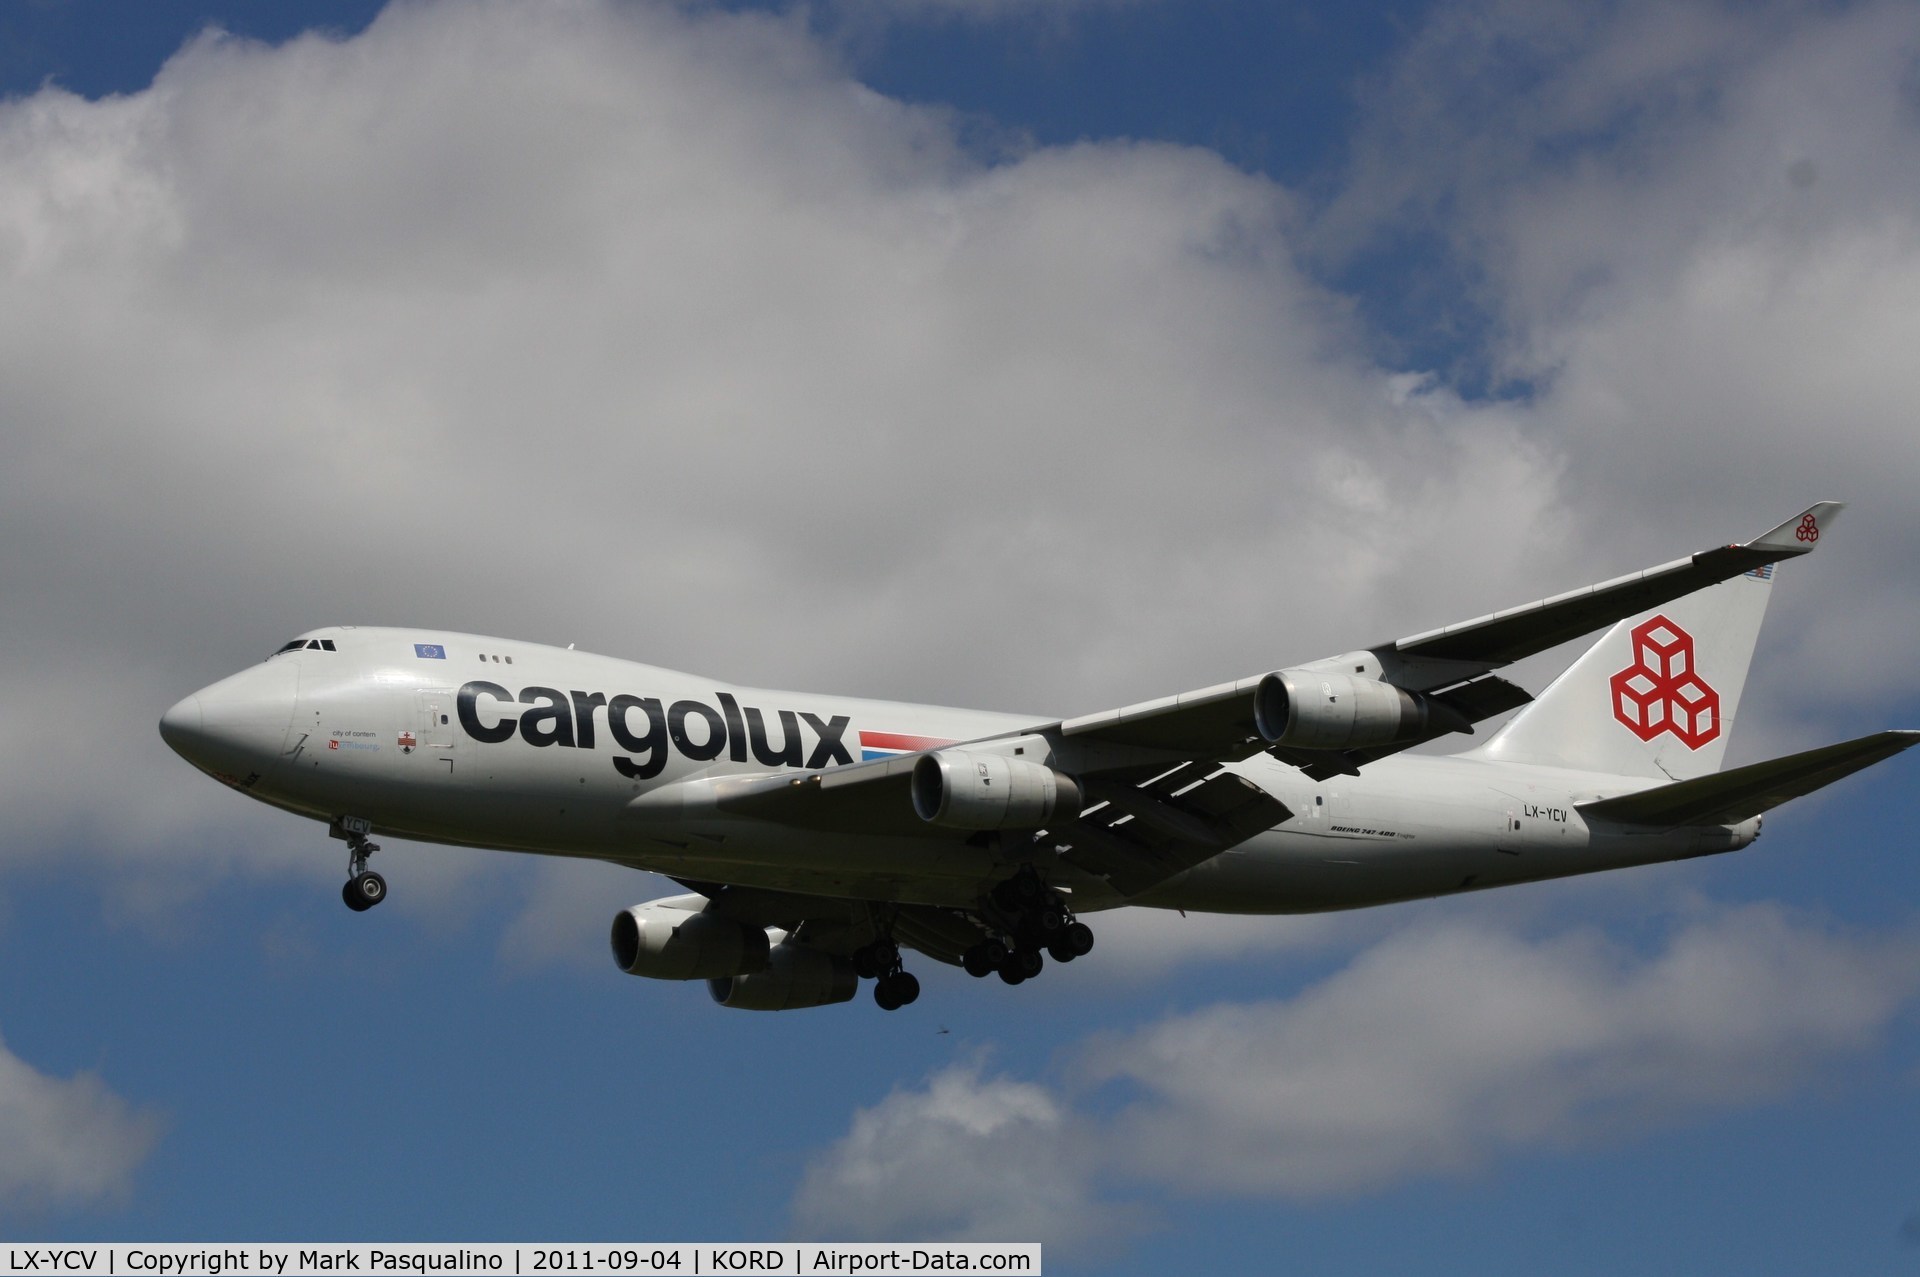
(1023, 963)
(984, 959)
(1020, 893)
(1059, 950)
(896, 989)
(872, 961)
(1078, 937)
(364, 888)
(367, 890)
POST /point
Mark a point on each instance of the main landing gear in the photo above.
(364, 888)
(893, 987)
(1037, 920)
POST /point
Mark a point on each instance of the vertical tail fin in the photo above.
(1656, 696)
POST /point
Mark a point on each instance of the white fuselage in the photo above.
(515, 746)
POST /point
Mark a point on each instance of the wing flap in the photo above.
(1725, 798)
(1135, 837)
(1143, 835)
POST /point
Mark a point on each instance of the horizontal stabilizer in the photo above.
(1726, 798)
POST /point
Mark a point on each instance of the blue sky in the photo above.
(1021, 354)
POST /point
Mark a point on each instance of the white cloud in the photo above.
(655, 331)
(567, 908)
(966, 1158)
(1434, 1051)
(976, 10)
(1438, 1050)
(651, 330)
(862, 22)
(68, 1142)
(1136, 943)
(1693, 227)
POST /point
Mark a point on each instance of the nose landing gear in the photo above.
(364, 888)
(363, 891)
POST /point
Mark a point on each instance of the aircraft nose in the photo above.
(180, 725)
(236, 728)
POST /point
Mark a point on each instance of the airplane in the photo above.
(819, 837)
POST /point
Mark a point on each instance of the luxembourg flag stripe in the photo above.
(886, 744)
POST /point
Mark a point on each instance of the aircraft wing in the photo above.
(1135, 833)
(1134, 837)
(1726, 798)
(864, 798)
(1503, 637)
(1449, 666)
(1157, 800)
(1138, 836)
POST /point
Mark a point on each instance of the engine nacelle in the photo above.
(674, 944)
(795, 976)
(965, 790)
(1309, 709)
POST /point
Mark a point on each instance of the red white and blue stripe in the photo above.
(892, 744)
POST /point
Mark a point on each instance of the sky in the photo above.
(1037, 355)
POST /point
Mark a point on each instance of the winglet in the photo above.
(1801, 533)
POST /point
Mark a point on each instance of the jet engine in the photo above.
(965, 790)
(794, 977)
(667, 943)
(1309, 709)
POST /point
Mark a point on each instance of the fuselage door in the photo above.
(434, 717)
(1506, 817)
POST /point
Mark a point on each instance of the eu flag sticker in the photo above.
(430, 651)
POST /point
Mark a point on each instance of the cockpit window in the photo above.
(313, 645)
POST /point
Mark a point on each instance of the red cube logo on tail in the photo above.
(1661, 691)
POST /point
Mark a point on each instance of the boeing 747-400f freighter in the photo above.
(819, 836)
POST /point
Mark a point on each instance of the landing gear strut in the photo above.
(1036, 918)
(364, 888)
(893, 987)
